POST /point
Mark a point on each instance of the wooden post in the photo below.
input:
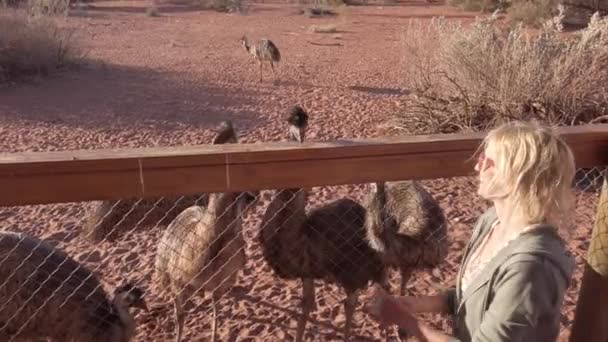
(591, 315)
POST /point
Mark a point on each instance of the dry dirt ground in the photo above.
(167, 80)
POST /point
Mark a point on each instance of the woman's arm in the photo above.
(525, 291)
(397, 310)
(393, 310)
(422, 331)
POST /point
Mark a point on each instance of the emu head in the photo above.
(244, 41)
(247, 198)
(225, 133)
(130, 296)
(298, 123)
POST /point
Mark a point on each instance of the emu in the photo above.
(202, 250)
(110, 218)
(263, 51)
(406, 225)
(44, 293)
(327, 243)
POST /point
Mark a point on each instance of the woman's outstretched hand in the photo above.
(390, 310)
(412, 305)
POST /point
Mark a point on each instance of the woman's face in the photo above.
(485, 168)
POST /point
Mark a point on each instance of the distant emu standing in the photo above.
(264, 50)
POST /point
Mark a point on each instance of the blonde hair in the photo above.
(534, 171)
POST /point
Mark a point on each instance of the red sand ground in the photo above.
(166, 81)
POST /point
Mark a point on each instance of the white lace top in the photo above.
(476, 264)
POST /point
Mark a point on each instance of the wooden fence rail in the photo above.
(72, 176)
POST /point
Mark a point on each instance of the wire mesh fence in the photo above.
(255, 263)
(597, 254)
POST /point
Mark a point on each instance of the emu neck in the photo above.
(374, 220)
(223, 209)
(247, 46)
(287, 206)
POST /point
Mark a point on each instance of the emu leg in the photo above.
(308, 302)
(273, 71)
(405, 277)
(349, 310)
(385, 284)
(260, 63)
(179, 316)
(214, 318)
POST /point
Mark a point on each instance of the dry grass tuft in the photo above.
(33, 46)
(48, 7)
(229, 6)
(476, 5)
(152, 11)
(470, 79)
(329, 28)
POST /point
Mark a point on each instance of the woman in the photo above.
(515, 269)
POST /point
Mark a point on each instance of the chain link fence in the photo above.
(264, 265)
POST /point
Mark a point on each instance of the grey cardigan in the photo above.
(519, 293)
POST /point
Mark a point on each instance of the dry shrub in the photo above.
(229, 6)
(321, 8)
(152, 11)
(32, 46)
(533, 13)
(48, 7)
(11, 3)
(317, 12)
(472, 78)
(477, 5)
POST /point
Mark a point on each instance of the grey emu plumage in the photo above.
(263, 51)
(406, 225)
(327, 243)
(203, 249)
(44, 293)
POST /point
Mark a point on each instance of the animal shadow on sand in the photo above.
(380, 91)
(164, 8)
(99, 96)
